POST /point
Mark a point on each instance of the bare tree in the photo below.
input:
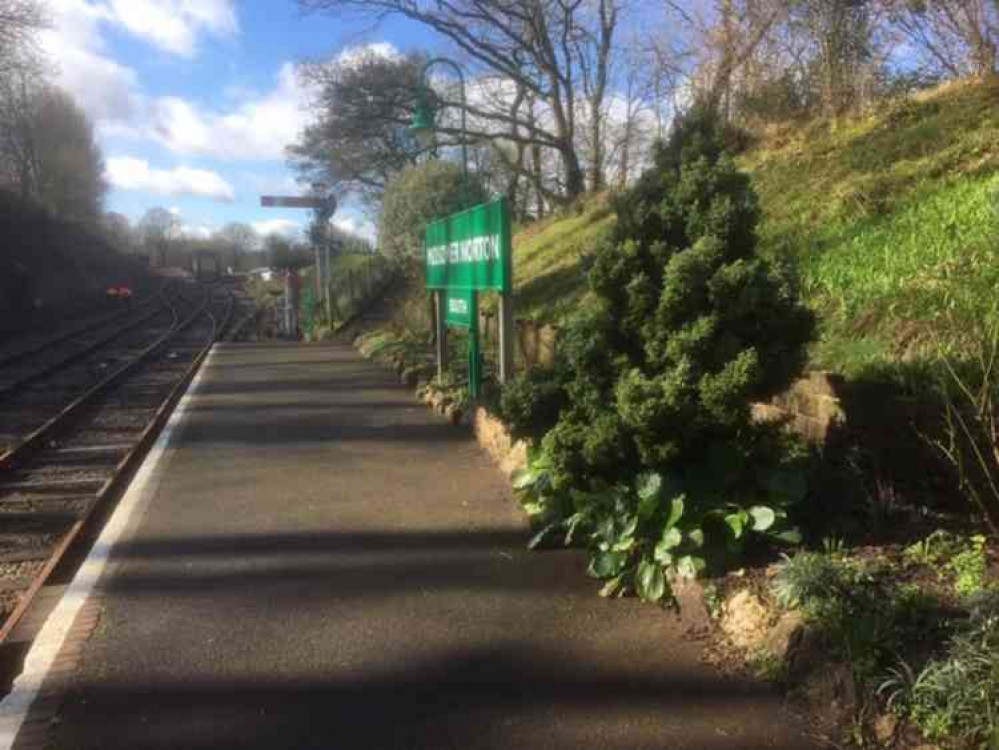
(20, 22)
(558, 51)
(159, 229)
(956, 38)
(237, 239)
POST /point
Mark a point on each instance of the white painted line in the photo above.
(14, 708)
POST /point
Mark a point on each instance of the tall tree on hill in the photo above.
(558, 53)
(47, 144)
(363, 108)
(69, 163)
(956, 38)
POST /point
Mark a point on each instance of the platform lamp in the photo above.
(424, 127)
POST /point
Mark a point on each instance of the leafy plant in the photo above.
(531, 402)
(969, 567)
(956, 699)
(641, 534)
(654, 447)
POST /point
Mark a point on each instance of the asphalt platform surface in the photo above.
(327, 565)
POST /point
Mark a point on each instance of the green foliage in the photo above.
(955, 699)
(641, 533)
(655, 380)
(418, 195)
(863, 615)
(889, 217)
(969, 567)
(531, 402)
(965, 561)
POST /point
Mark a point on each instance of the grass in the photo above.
(549, 259)
(891, 219)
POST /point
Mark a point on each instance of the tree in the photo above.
(237, 239)
(557, 53)
(70, 166)
(20, 21)
(690, 326)
(359, 138)
(118, 229)
(956, 38)
(49, 147)
(416, 197)
(159, 229)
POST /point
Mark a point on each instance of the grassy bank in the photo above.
(891, 220)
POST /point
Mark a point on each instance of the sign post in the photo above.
(465, 253)
(325, 207)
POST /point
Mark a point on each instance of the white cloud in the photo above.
(125, 173)
(257, 129)
(378, 49)
(285, 227)
(174, 25)
(196, 231)
(356, 225)
(107, 90)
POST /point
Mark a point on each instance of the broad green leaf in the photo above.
(611, 587)
(696, 538)
(649, 486)
(607, 564)
(662, 554)
(572, 525)
(523, 478)
(691, 566)
(544, 535)
(737, 522)
(672, 538)
(791, 536)
(763, 517)
(629, 527)
(650, 583)
(675, 511)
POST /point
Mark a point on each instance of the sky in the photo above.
(194, 101)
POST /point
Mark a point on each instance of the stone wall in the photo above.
(811, 405)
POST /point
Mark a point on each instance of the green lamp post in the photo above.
(424, 127)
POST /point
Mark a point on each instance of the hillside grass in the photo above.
(549, 260)
(892, 222)
(891, 219)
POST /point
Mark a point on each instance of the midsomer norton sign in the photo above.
(467, 253)
(471, 250)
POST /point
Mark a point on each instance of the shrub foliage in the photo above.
(658, 378)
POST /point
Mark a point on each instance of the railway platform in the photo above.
(310, 559)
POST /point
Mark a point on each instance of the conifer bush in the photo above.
(691, 327)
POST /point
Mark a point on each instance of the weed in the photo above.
(969, 567)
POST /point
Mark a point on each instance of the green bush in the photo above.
(530, 403)
(417, 196)
(690, 327)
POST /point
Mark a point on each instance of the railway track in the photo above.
(35, 385)
(34, 347)
(58, 482)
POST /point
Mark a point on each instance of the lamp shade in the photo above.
(422, 126)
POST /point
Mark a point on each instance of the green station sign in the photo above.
(471, 250)
(466, 253)
(461, 308)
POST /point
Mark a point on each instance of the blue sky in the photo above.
(194, 101)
